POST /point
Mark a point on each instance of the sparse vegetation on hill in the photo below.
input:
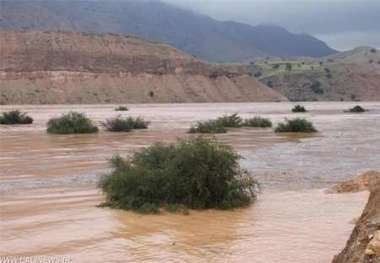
(296, 125)
(258, 74)
(357, 109)
(120, 124)
(121, 108)
(316, 87)
(195, 174)
(15, 117)
(257, 122)
(298, 109)
(331, 79)
(71, 123)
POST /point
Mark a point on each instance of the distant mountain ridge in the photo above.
(196, 34)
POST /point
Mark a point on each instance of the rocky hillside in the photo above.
(196, 34)
(364, 243)
(347, 76)
(51, 67)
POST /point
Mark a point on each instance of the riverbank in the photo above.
(364, 243)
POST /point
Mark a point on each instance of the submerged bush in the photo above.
(218, 125)
(15, 117)
(296, 125)
(299, 108)
(210, 126)
(230, 121)
(120, 124)
(257, 122)
(72, 122)
(357, 109)
(121, 108)
(195, 174)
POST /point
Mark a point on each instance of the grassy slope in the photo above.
(353, 75)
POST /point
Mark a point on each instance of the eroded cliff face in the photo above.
(57, 67)
(364, 243)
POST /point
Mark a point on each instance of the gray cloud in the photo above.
(343, 24)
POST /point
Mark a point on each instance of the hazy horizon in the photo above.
(342, 24)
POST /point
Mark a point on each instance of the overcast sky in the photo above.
(343, 24)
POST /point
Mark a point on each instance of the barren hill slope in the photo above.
(58, 67)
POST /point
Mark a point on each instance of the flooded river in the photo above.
(49, 195)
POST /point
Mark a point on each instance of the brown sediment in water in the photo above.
(49, 195)
(357, 184)
(66, 222)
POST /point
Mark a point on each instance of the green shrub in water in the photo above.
(72, 122)
(299, 108)
(357, 109)
(15, 117)
(193, 174)
(121, 108)
(218, 125)
(230, 121)
(257, 122)
(120, 124)
(210, 126)
(296, 125)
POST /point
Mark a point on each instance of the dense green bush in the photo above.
(296, 125)
(196, 174)
(217, 126)
(72, 122)
(357, 109)
(299, 108)
(221, 124)
(230, 121)
(257, 122)
(15, 117)
(210, 126)
(121, 108)
(120, 124)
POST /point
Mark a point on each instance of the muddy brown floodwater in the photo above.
(49, 195)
